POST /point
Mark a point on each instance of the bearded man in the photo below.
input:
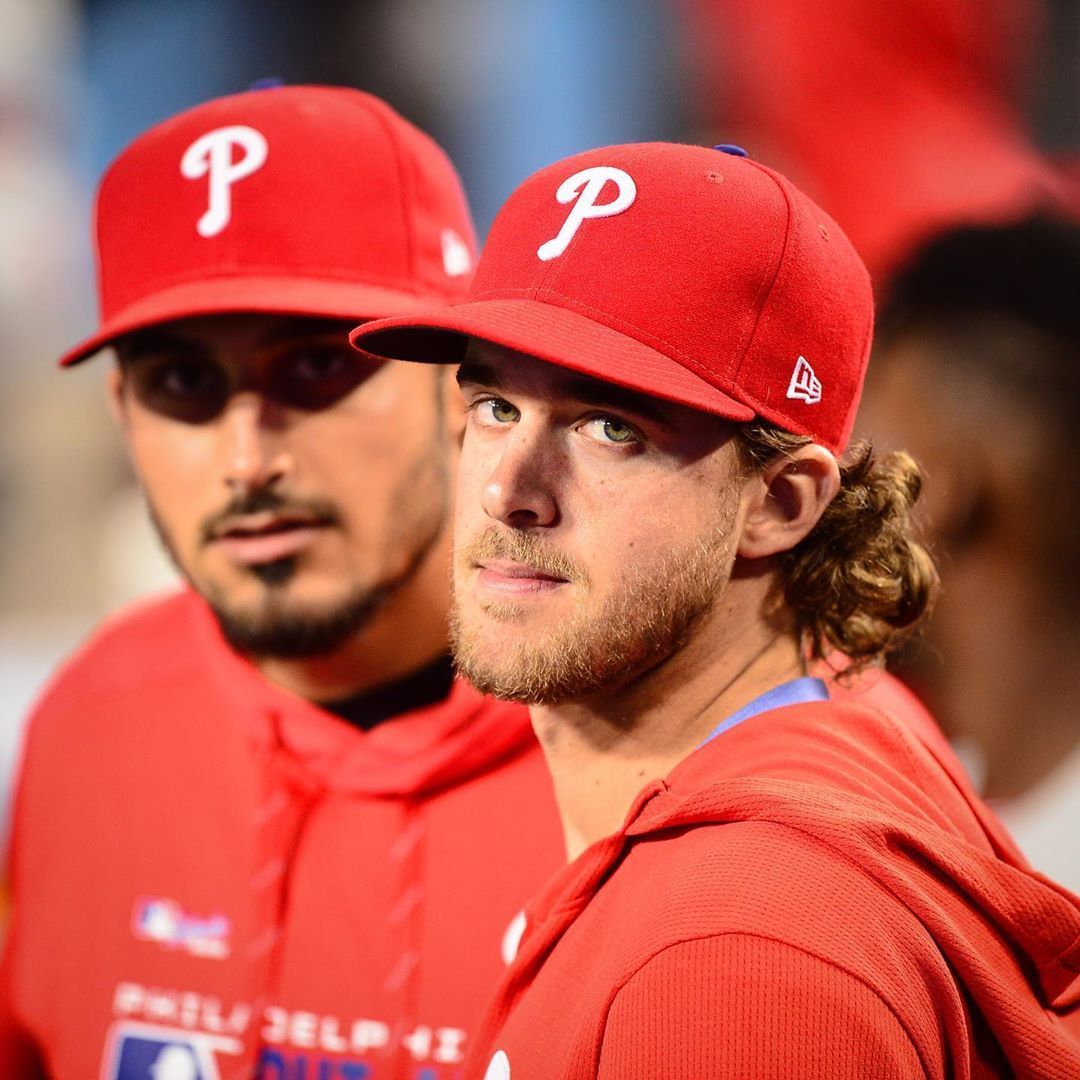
(260, 826)
(658, 541)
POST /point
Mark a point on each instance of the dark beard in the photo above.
(277, 626)
(280, 629)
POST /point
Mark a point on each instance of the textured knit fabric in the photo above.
(813, 894)
(207, 866)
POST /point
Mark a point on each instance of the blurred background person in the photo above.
(943, 135)
(505, 86)
(267, 791)
(976, 373)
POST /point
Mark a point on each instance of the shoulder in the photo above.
(880, 690)
(763, 876)
(855, 747)
(149, 642)
(756, 926)
(742, 1004)
(138, 668)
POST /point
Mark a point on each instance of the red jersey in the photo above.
(212, 878)
(812, 895)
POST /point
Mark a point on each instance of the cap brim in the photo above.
(265, 295)
(549, 333)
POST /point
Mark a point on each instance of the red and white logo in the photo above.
(583, 189)
(804, 385)
(164, 921)
(211, 155)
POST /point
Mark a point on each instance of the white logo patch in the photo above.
(511, 941)
(212, 155)
(804, 384)
(456, 256)
(498, 1067)
(583, 189)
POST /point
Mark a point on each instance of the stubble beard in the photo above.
(649, 618)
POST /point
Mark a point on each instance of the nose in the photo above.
(254, 454)
(519, 490)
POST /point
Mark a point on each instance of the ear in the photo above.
(785, 500)
(114, 394)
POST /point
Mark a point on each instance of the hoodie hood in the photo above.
(1010, 934)
(861, 784)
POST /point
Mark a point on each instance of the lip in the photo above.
(518, 579)
(266, 538)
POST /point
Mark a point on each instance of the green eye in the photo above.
(617, 432)
(503, 412)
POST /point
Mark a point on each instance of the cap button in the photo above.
(732, 149)
(270, 82)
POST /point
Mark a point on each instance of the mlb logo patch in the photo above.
(165, 921)
(148, 1052)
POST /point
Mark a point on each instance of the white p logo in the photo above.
(212, 154)
(583, 189)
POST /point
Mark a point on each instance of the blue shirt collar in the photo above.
(794, 692)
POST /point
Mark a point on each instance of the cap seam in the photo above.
(405, 182)
(764, 293)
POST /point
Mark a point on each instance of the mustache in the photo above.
(525, 548)
(318, 511)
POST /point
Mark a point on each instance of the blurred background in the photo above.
(905, 120)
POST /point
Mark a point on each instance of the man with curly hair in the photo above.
(659, 543)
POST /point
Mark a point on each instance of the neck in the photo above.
(603, 750)
(406, 634)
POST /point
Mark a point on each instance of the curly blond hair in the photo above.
(860, 582)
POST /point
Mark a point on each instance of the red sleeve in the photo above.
(19, 1056)
(737, 1005)
(19, 1059)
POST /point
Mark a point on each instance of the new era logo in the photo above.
(457, 258)
(804, 385)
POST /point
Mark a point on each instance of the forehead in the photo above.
(236, 333)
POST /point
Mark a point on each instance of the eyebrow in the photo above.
(142, 343)
(155, 339)
(582, 388)
(309, 327)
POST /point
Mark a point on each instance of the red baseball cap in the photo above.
(691, 274)
(293, 200)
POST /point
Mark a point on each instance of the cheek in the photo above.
(473, 472)
(175, 468)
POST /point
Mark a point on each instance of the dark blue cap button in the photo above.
(732, 149)
(271, 82)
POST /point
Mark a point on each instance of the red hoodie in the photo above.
(209, 873)
(808, 895)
